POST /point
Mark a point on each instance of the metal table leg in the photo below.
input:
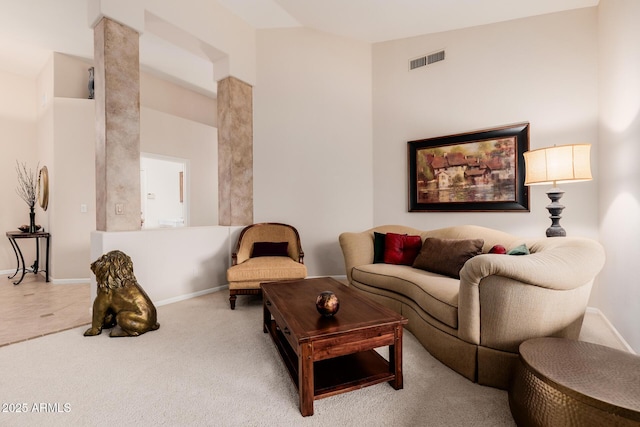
(20, 261)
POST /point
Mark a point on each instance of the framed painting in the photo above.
(475, 171)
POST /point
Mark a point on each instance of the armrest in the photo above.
(518, 295)
(357, 249)
(554, 265)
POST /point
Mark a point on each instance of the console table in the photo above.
(14, 237)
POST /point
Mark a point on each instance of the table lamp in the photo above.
(553, 165)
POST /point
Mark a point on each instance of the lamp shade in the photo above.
(565, 163)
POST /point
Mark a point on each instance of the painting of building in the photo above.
(472, 171)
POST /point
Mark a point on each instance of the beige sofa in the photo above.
(475, 324)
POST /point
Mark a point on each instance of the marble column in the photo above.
(117, 100)
(235, 152)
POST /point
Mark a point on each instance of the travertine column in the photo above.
(235, 152)
(117, 100)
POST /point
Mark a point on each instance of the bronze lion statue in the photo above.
(120, 300)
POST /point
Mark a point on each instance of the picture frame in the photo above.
(479, 171)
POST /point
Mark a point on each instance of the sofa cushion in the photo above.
(401, 248)
(267, 268)
(434, 293)
(269, 249)
(447, 256)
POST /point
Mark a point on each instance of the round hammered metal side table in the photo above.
(561, 382)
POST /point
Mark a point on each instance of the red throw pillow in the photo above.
(498, 249)
(401, 248)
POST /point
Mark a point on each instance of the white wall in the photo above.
(215, 26)
(175, 100)
(72, 184)
(618, 293)
(194, 260)
(45, 136)
(18, 136)
(168, 135)
(312, 139)
(160, 190)
(71, 76)
(542, 70)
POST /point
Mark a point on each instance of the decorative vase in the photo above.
(91, 84)
(32, 221)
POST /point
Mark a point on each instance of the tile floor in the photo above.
(35, 308)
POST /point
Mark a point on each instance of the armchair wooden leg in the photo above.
(233, 295)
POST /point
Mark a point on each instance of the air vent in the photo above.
(435, 57)
(426, 60)
(418, 62)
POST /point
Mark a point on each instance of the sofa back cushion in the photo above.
(447, 256)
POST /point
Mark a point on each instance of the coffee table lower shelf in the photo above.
(337, 375)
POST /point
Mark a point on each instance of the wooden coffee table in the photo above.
(326, 356)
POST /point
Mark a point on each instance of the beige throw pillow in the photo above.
(447, 256)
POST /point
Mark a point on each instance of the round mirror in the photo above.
(43, 188)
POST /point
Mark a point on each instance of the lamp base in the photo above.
(555, 209)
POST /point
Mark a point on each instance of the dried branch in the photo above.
(27, 184)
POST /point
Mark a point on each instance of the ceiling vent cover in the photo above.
(426, 60)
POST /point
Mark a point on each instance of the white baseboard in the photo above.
(216, 289)
(191, 295)
(69, 281)
(609, 325)
(51, 280)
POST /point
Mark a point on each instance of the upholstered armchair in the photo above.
(266, 252)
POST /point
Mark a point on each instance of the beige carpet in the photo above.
(208, 365)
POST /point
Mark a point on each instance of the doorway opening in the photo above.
(163, 191)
